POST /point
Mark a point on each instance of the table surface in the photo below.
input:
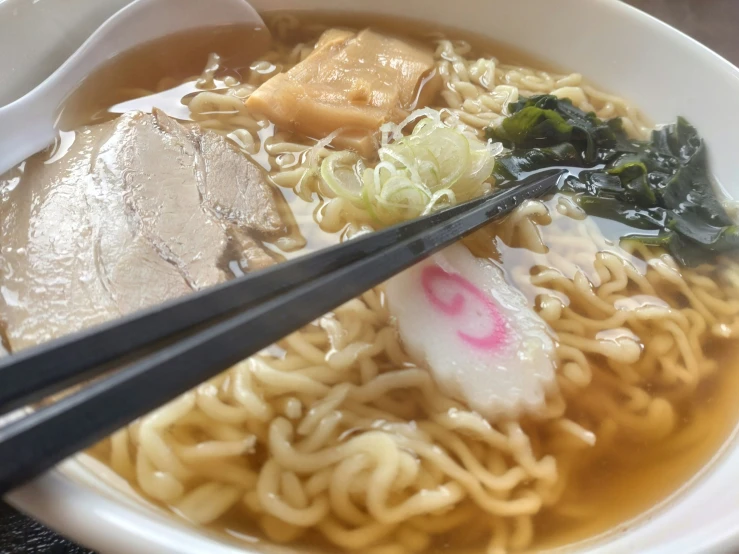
(712, 22)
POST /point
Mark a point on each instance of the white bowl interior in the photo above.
(661, 70)
(45, 33)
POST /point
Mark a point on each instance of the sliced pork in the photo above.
(236, 189)
(139, 210)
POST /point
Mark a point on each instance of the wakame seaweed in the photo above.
(660, 185)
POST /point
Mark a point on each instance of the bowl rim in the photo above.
(61, 500)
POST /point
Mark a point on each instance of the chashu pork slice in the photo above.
(139, 210)
(236, 188)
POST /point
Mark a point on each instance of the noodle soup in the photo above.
(339, 437)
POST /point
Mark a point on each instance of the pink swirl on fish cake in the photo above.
(455, 306)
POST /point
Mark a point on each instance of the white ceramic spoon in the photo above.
(27, 125)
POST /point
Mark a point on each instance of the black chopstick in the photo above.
(38, 372)
(38, 441)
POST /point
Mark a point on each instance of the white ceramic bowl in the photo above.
(619, 48)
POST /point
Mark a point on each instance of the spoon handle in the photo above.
(28, 124)
(26, 127)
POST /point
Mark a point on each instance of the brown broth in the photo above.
(482, 46)
(617, 493)
(614, 491)
(160, 65)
